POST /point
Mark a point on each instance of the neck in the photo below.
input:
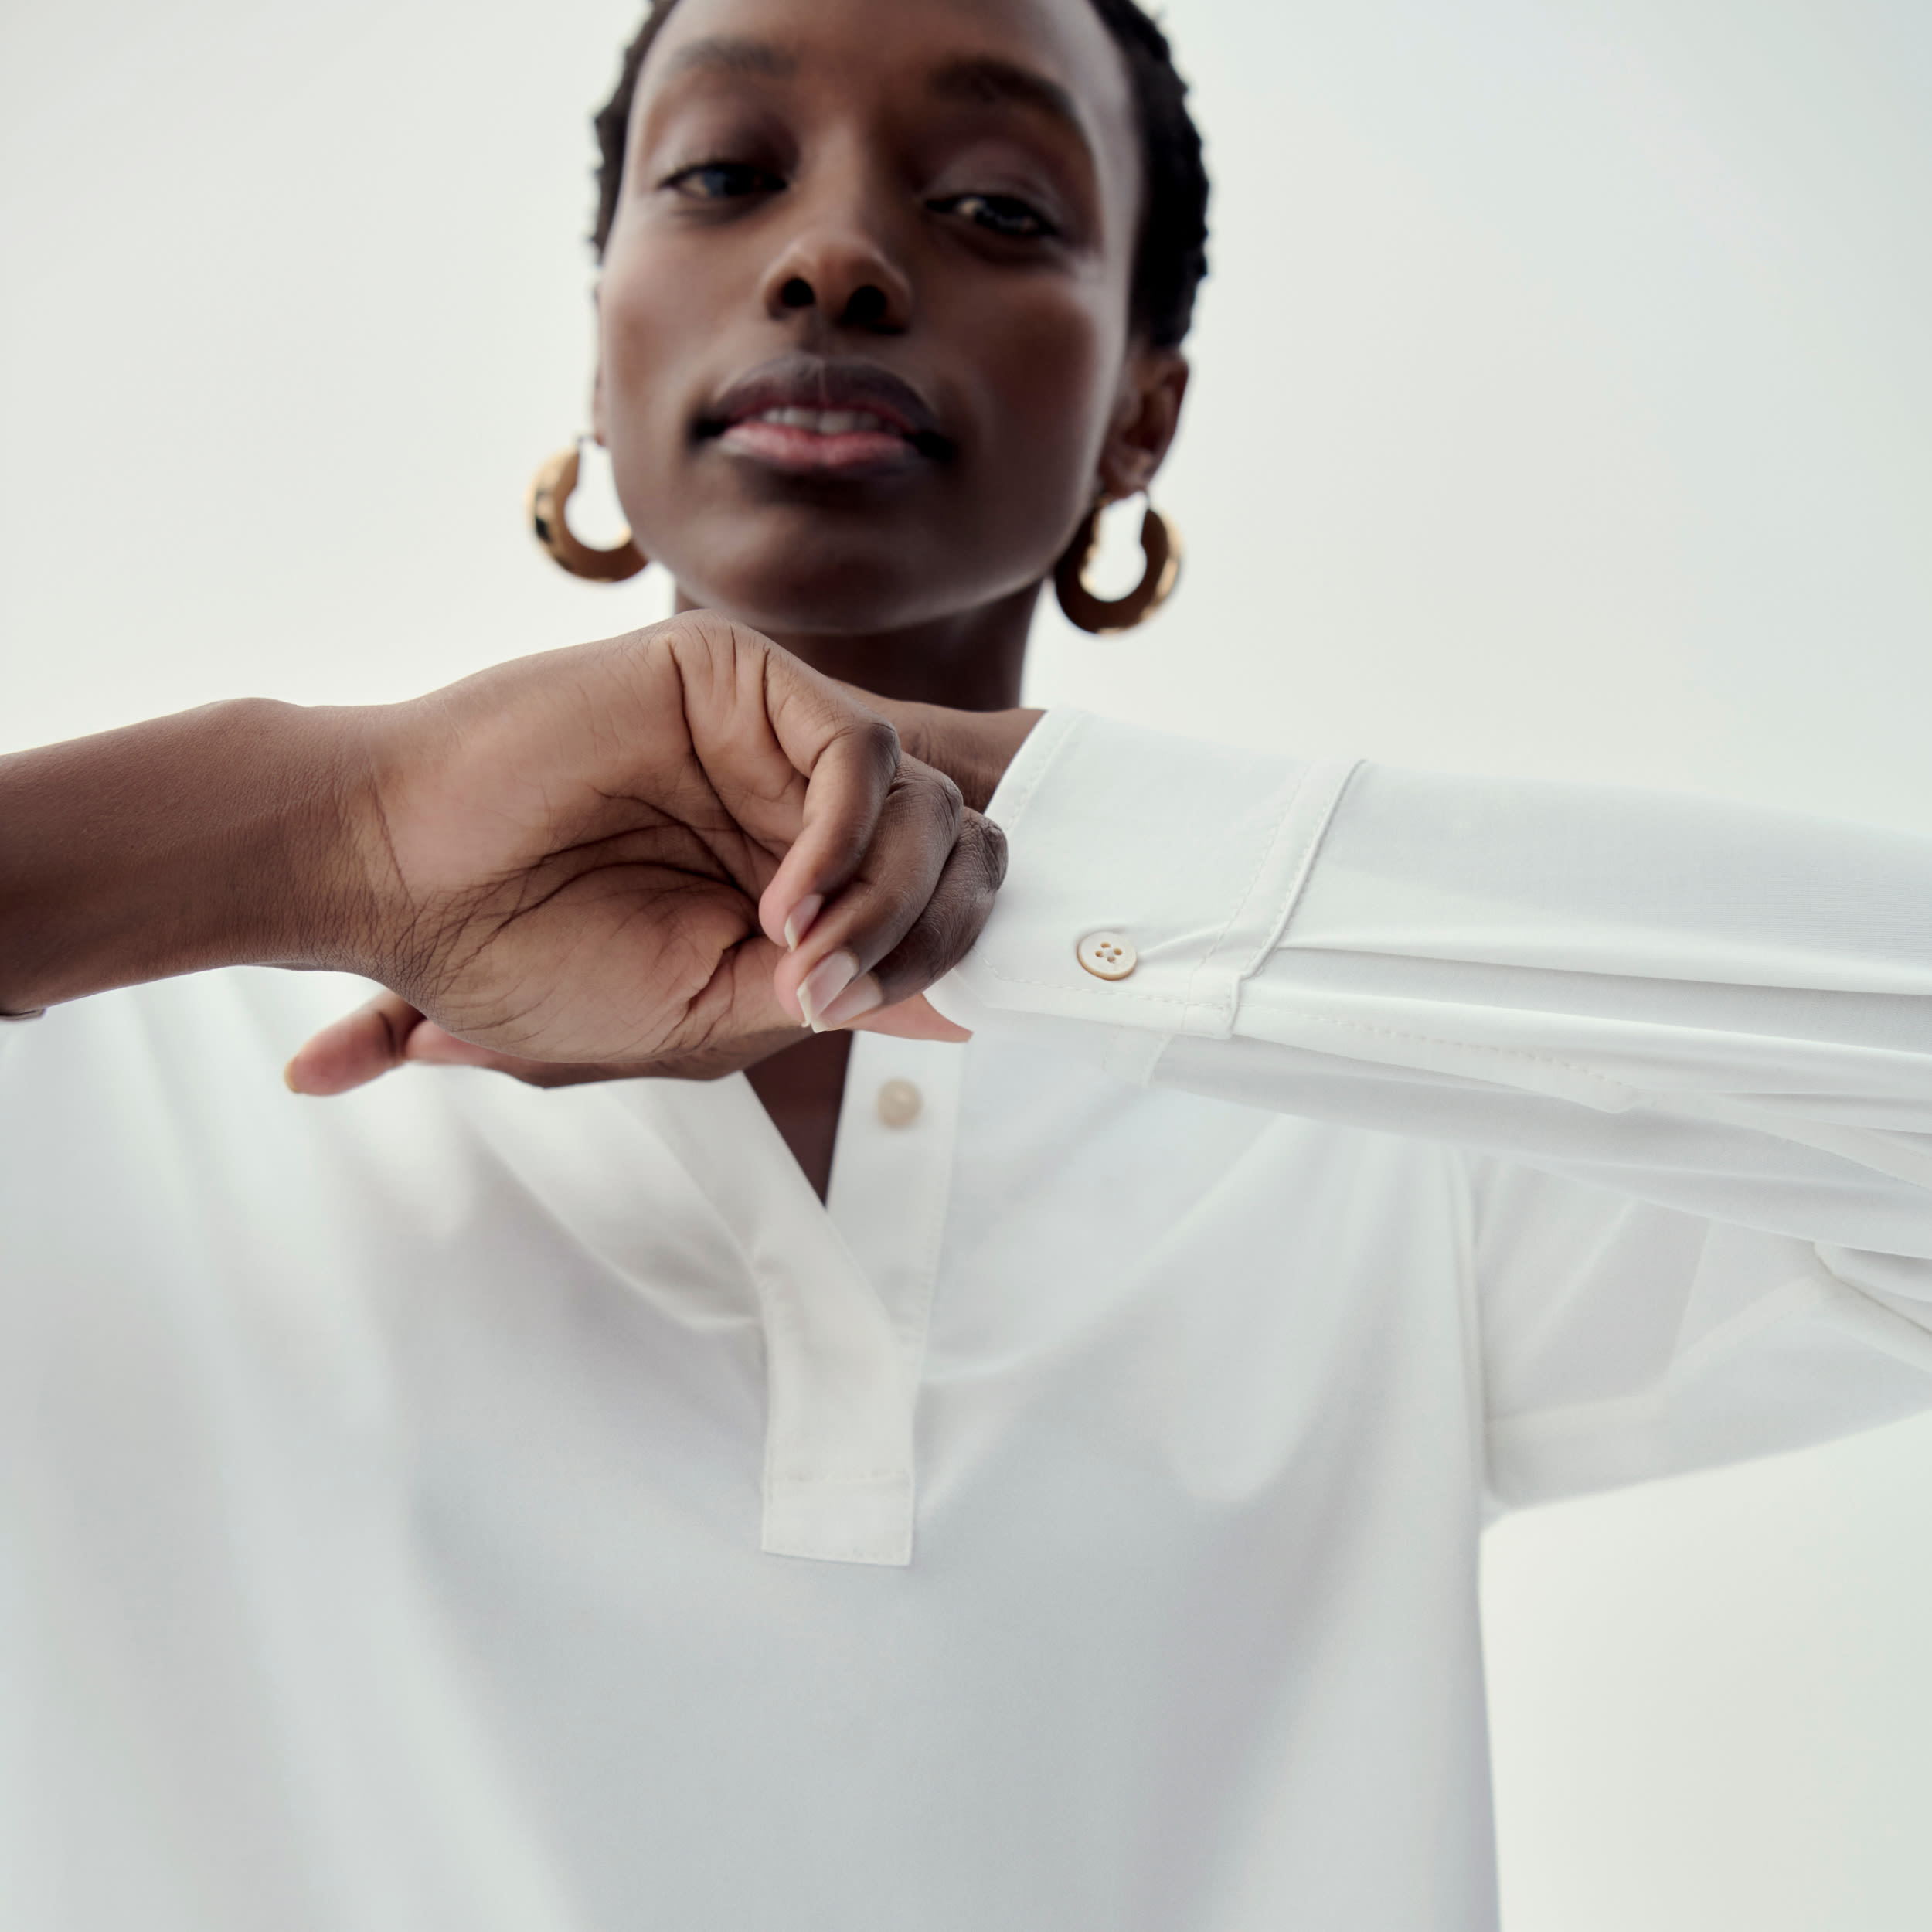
(971, 661)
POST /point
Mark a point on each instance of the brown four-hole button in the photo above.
(1108, 955)
(899, 1103)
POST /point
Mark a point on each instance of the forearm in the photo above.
(215, 837)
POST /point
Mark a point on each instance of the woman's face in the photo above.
(864, 356)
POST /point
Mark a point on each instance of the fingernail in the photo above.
(859, 997)
(288, 1078)
(799, 922)
(823, 985)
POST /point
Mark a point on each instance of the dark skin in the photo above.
(939, 194)
(802, 1089)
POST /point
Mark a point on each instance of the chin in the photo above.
(805, 589)
(847, 610)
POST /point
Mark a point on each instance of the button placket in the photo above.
(892, 1173)
(838, 1473)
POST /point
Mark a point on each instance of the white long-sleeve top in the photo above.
(461, 1505)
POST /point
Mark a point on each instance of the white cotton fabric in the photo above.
(459, 1505)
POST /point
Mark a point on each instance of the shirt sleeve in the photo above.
(1683, 1047)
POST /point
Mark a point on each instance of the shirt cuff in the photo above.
(1191, 855)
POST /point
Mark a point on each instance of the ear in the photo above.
(1147, 412)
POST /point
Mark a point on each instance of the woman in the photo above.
(462, 1504)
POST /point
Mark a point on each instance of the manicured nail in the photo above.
(798, 922)
(823, 985)
(859, 997)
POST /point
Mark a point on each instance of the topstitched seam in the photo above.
(1304, 871)
(1472, 1046)
(1241, 898)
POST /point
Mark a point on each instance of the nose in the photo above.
(837, 261)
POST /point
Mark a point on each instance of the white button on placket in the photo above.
(899, 1103)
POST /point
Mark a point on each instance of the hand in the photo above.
(973, 748)
(590, 863)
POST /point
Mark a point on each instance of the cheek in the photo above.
(1048, 367)
(647, 341)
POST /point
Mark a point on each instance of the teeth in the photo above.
(826, 422)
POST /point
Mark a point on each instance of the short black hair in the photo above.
(1170, 254)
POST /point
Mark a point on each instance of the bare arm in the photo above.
(223, 835)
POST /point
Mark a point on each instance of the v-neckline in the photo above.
(827, 1051)
(840, 1387)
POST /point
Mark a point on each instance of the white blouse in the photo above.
(459, 1505)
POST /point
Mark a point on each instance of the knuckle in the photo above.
(987, 845)
(974, 910)
(664, 644)
(935, 799)
(952, 804)
(877, 741)
(647, 642)
(710, 629)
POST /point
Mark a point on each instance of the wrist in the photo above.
(319, 849)
(221, 836)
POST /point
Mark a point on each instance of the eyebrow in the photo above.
(988, 79)
(724, 53)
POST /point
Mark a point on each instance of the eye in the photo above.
(721, 180)
(1000, 214)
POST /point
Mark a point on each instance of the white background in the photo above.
(1563, 406)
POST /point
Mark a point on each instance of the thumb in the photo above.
(356, 1049)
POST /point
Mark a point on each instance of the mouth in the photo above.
(813, 416)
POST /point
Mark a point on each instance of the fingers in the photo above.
(802, 764)
(431, 1046)
(854, 781)
(356, 1050)
(896, 874)
(920, 898)
(944, 931)
(389, 1032)
(872, 830)
(375, 1039)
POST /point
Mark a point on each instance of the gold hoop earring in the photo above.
(1161, 546)
(550, 491)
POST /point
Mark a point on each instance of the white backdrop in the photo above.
(1562, 407)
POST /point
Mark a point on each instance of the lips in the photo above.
(817, 416)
